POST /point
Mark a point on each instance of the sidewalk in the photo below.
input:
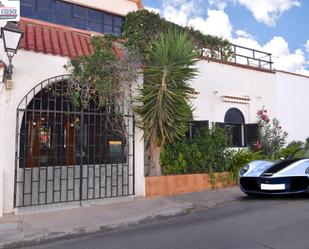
(29, 228)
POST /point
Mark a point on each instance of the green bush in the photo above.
(240, 157)
(205, 153)
(290, 148)
(271, 136)
(143, 27)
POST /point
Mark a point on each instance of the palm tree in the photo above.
(164, 99)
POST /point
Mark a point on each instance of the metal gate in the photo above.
(65, 154)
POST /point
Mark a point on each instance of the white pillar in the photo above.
(2, 163)
(139, 163)
(139, 172)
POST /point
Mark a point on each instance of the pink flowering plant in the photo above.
(271, 136)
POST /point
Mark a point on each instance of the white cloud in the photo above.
(243, 34)
(180, 14)
(264, 11)
(217, 23)
(155, 10)
(282, 57)
(307, 46)
(218, 4)
(268, 11)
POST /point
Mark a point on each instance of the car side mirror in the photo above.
(282, 158)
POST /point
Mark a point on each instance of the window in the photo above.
(239, 134)
(80, 17)
(72, 15)
(195, 126)
(28, 8)
(63, 13)
(251, 133)
(234, 126)
(235, 134)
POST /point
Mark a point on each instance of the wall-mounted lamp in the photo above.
(11, 35)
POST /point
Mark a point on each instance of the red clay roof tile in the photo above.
(55, 42)
(30, 38)
(77, 44)
(39, 39)
(23, 41)
(85, 46)
(47, 41)
(63, 43)
(54, 39)
(70, 43)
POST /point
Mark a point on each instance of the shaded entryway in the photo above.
(68, 153)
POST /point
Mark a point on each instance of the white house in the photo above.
(292, 102)
(50, 152)
(230, 94)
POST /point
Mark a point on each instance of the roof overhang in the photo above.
(117, 7)
(54, 39)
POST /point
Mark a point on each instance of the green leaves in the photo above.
(205, 153)
(143, 28)
(101, 76)
(164, 98)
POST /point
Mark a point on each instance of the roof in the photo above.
(264, 70)
(139, 3)
(110, 6)
(48, 38)
(294, 74)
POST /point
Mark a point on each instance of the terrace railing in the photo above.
(241, 55)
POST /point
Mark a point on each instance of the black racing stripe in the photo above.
(279, 166)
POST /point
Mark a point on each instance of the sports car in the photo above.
(287, 176)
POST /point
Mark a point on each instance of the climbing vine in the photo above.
(107, 80)
(104, 78)
(142, 28)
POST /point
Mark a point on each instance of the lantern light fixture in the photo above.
(11, 35)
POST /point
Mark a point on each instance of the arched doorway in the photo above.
(234, 125)
(67, 153)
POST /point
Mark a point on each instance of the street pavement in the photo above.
(31, 226)
(246, 223)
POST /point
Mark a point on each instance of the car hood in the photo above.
(256, 168)
(278, 169)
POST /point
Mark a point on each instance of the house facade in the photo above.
(230, 95)
(52, 153)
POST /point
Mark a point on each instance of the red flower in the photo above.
(257, 145)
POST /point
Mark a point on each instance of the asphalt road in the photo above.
(248, 223)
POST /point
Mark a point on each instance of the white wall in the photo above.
(120, 7)
(293, 101)
(29, 70)
(215, 80)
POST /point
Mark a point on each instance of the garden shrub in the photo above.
(271, 136)
(205, 153)
(290, 148)
(238, 158)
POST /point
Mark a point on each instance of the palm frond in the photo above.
(164, 105)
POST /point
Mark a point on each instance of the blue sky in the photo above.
(276, 26)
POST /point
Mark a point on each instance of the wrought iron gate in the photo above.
(65, 154)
